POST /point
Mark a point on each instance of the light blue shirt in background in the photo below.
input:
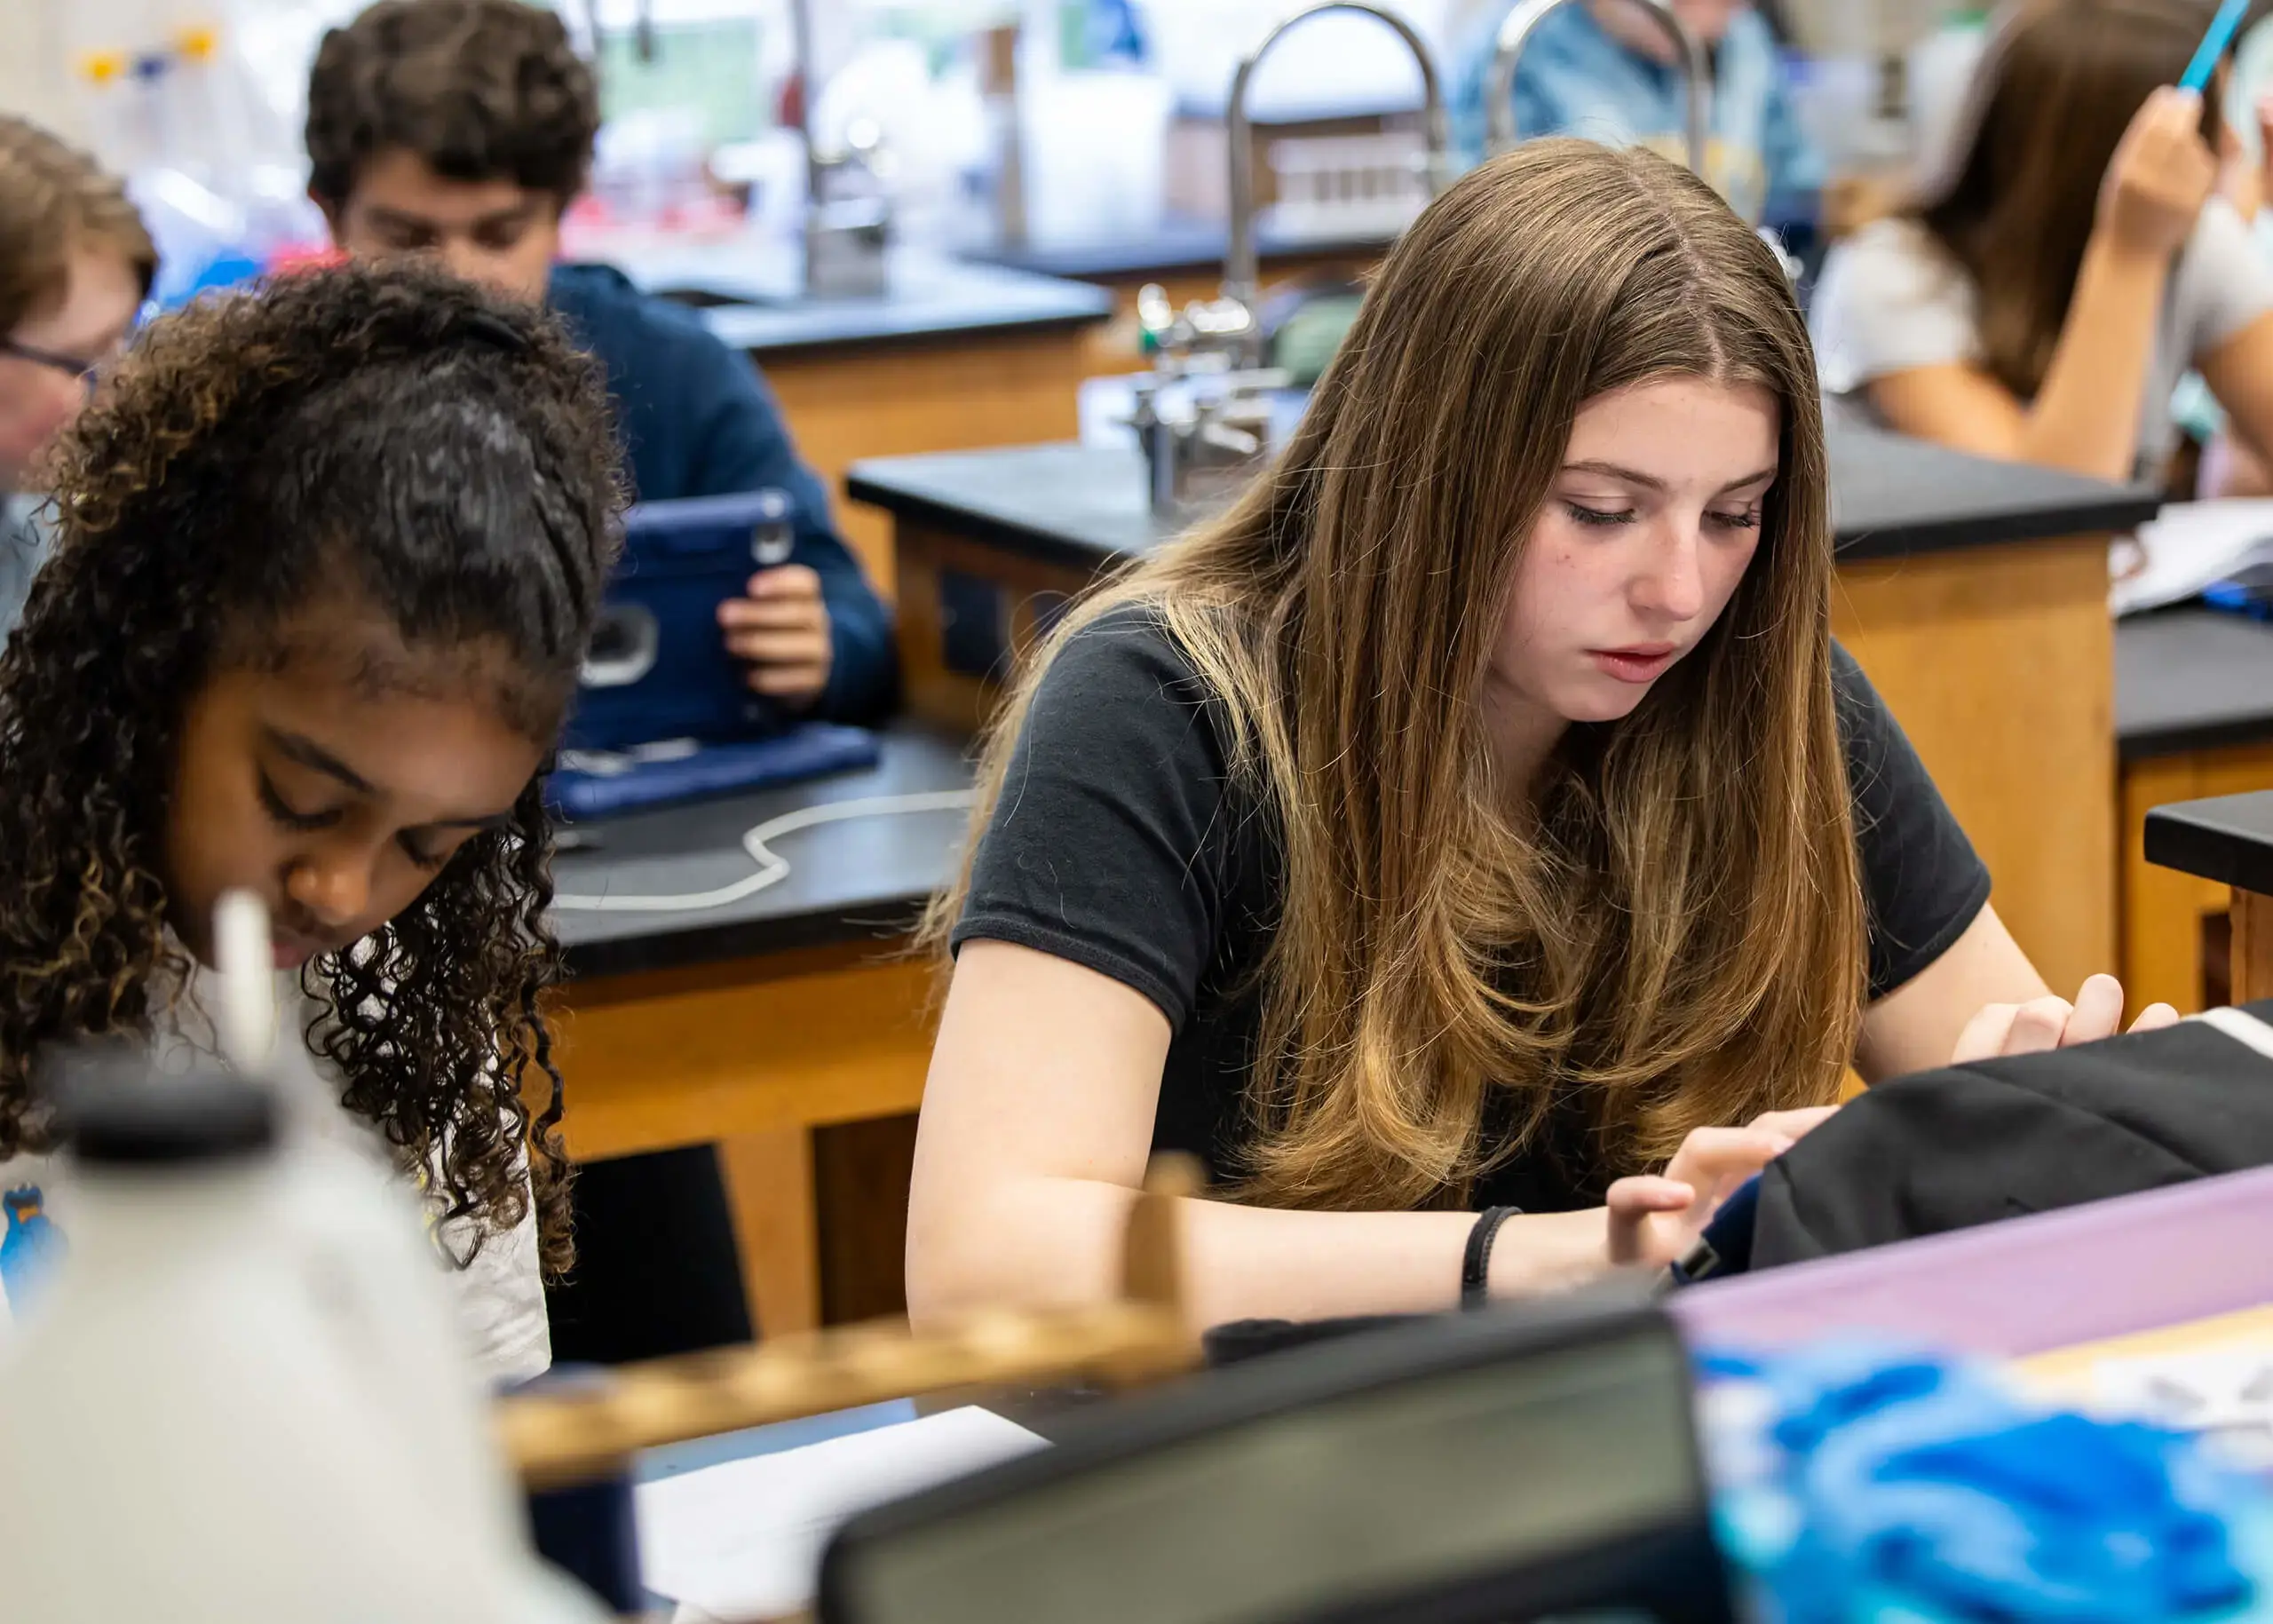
(23, 544)
(1574, 79)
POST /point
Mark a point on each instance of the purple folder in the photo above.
(2026, 1286)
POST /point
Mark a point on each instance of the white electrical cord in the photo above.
(773, 868)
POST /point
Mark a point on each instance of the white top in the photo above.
(499, 1298)
(1889, 299)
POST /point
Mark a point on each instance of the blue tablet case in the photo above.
(814, 750)
(658, 667)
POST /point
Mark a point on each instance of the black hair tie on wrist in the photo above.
(1475, 1262)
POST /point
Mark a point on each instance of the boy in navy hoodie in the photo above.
(463, 129)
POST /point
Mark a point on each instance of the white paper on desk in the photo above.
(2223, 1394)
(2190, 545)
(743, 1540)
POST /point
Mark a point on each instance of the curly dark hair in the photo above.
(481, 89)
(446, 458)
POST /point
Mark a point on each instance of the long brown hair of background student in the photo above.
(1677, 926)
(2018, 194)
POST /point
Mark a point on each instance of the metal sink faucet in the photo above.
(1213, 348)
(1242, 269)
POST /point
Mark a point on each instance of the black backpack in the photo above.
(1969, 1144)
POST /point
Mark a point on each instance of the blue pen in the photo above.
(2220, 36)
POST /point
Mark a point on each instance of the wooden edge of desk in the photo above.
(2068, 1373)
(687, 1058)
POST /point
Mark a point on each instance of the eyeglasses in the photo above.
(83, 370)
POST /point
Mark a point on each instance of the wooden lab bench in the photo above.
(782, 1026)
(2193, 718)
(2226, 841)
(1186, 259)
(1974, 593)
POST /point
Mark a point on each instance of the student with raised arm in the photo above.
(1478, 815)
(2046, 294)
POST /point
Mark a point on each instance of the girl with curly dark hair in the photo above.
(327, 556)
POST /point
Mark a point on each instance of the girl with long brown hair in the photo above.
(1476, 815)
(2043, 297)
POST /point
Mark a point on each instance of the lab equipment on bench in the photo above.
(244, 1396)
(584, 1434)
(600, 784)
(1202, 414)
(848, 208)
(1518, 1464)
(659, 669)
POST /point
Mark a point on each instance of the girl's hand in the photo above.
(1656, 1218)
(2053, 1023)
(2161, 175)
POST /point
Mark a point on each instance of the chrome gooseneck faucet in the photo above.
(1213, 349)
(848, 213)
(1242, 271)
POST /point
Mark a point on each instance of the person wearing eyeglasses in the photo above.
(75, 267)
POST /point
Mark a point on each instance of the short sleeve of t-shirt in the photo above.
(1922, 881)
(2221, 284)
(1110, 844)
(1888, 301)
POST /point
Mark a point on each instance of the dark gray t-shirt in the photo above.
(1120, 843)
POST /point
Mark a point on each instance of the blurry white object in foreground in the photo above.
(243, 1399)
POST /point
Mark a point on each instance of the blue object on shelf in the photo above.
(658, 667)
(590, 786)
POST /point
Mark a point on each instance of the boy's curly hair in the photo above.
(446, 458)
(479, 89)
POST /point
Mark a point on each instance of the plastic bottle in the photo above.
(243, 1399)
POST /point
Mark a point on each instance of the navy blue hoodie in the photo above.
(697, 420)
